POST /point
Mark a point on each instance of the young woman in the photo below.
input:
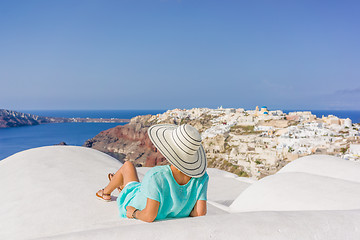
(171, 191)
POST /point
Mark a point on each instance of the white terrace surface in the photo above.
(49, 193)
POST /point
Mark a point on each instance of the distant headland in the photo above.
(9, 118)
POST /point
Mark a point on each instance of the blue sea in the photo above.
(13, 140)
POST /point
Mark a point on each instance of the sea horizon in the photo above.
(354, 115)
(93, 113)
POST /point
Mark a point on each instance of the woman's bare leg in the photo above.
(127, 173)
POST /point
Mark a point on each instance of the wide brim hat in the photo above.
(181, 146)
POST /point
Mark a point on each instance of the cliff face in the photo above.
(129, 143)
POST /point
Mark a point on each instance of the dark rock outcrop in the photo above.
(129, 142)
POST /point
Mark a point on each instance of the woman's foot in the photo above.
(104, 196)
(110, 176)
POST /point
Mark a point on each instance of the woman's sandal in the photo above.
(102, 195)
(110, 176)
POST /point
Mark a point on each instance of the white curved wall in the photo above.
(51, 190)
(298, 192)
(324, 165)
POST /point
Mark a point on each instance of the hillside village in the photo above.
(257, 143)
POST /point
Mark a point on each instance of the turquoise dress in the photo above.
(159, 184)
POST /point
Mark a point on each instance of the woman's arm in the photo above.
(199, 209)
(148, 214)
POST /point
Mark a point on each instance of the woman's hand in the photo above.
(129, 211)
(148, 214)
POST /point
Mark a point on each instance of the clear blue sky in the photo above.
(84, 54)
